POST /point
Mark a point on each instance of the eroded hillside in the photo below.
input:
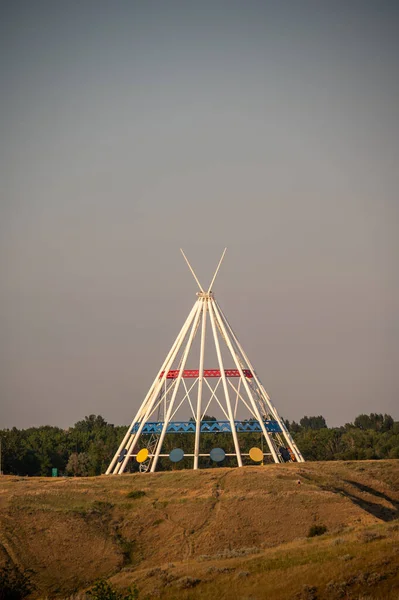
(211, 526)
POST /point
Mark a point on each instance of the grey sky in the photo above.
(129, 129)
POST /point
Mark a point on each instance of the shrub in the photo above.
(102, 590)
(234, 553)
(14, 584)
(316, 530)
(102, 507)
(370, 536)
(136, 494)
(337, 542)
(188, 582)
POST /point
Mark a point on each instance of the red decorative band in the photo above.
(194, 373)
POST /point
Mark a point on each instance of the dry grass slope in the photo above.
(222, 533)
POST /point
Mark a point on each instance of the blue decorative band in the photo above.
(208, 427)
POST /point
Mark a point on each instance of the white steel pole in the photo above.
(217, 269)
(165, 397)
(213, 395)
(119, 469)
(143, 404)
(200, 382)
(192, 271)
(247, 388)
(135, 437)
(238, 393)
(290, 441)
(226, 390)
(265, 395)
(287, 435)
(240, 397)
(272, 408)
(180, 375)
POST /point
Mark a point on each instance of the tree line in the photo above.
(87, 448)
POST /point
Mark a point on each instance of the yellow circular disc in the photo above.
(142, 455)
(256, 454)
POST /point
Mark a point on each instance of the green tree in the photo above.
(313, 422)
(87, 448)
(374, 421)
(319, 444)
(79, 465)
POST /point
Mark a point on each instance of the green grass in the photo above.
(135, 494)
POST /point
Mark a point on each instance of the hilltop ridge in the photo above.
(132, 528)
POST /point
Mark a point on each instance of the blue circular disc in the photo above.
(176, 454)
(217, 454)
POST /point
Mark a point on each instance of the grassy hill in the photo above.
(220, 533)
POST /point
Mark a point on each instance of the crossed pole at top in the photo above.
(196, 278)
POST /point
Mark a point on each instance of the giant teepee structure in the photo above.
(231, 388)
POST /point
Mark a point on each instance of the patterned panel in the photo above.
(194, 373)
(208, 427)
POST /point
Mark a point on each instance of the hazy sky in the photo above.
(129, 129)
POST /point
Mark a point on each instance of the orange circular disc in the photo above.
(142, 455)
(256, 454)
